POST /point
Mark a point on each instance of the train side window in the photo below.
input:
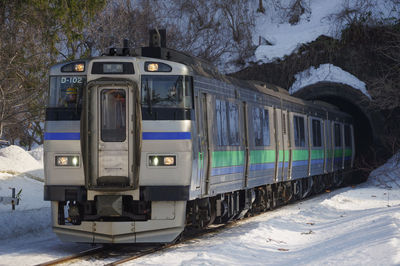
(222, 123)
(299, 131)
(316, 133)
(338, 136)
(261, 127)
(347, 136)
(113, 115)
(233, 112)
(284, 124)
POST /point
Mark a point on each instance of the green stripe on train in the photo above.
(227, 158)
(317, 154)
(338, 153)
(266, 156)
(348, 152)
(300, 155)
(234, 158)
(262, 156)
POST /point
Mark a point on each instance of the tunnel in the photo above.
(368, 123)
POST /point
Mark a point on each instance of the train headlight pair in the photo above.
(67, 160)
(162, 160)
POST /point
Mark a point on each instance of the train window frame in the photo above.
(337, 137)
(347, 136)
(299, 139)
(221, 120)
(263, 124)
(233, 123)
(58, 93)
(183, 99)
(123, 119)
(316, 135)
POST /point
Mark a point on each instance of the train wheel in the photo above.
(297, 189)
(338, 179)
(307, 184)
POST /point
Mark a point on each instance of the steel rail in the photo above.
(74, 256)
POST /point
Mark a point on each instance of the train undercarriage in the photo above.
(226, 207)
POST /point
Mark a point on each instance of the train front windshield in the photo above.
(167, 91)
(66, 91)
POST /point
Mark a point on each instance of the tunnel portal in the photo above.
(368, 123)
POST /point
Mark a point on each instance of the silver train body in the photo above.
(137, 147)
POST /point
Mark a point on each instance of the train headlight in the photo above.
(67, 160)
(162, 160)
(157, 67)
(75, 161)
(79, 67)
(152, 67)
(169, 160)
(154, 161)
(74, 67)
(61, 160)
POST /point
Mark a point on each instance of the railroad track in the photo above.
(119, 254)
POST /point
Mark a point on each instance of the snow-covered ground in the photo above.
(349, 226)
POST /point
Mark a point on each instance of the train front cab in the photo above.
(132, 141)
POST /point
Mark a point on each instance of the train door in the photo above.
(246, 144)
(284, 156)
(326, 144)
(112, 128)
(338, 146)
(204, 155)
(278, 144)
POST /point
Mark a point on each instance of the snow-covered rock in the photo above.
(327, 72)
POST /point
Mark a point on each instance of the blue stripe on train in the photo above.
(317, 161)
(260, 167)
(62, 136)
(227, 170)
(166, 135)
(300, 163)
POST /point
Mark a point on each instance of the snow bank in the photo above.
(327, 72)
(37, 153)
(19, 170)
(15, 160)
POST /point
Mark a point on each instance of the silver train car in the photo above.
(139, 145)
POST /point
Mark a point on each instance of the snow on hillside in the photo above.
(285, 38)
(327, 72)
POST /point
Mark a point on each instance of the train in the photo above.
(140, 144)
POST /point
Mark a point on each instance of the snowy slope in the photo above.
(320, 20)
